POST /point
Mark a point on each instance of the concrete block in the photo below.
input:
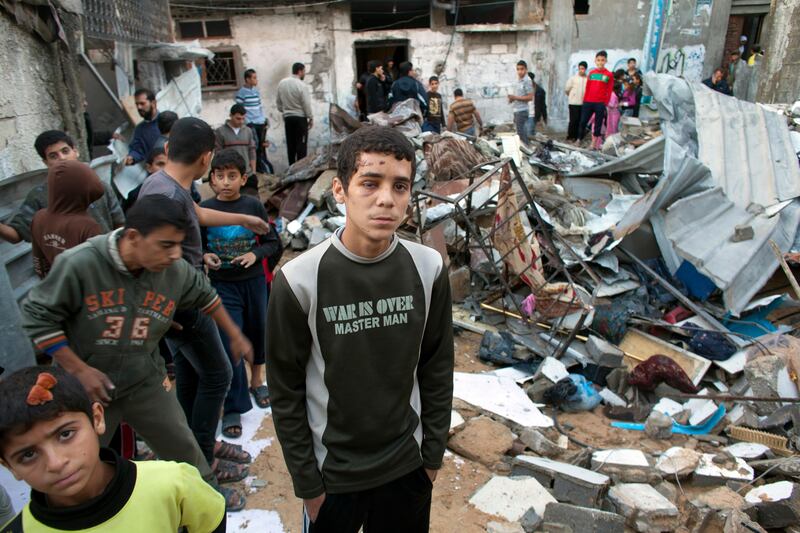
(583, 519)
(603, 353)
(778, 504)
(511, 497)
(531, 521)
(499, 48)
(552, 369)
(460, 283)
(668, 407)
(721, 468)
(720, 499)
(677, 461)
(540, 444)
(658, 426)
(644, 508)
(623, 464)
(747, 450)
(570, 483)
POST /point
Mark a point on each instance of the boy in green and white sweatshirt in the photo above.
(104, 307)
(360, 359)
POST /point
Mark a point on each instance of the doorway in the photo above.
(366, 51)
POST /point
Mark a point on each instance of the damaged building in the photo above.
(469, 44)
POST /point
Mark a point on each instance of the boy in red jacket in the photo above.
(599, 85)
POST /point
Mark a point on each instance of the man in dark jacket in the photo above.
(718, 83)
(407, 87)
(376, 97)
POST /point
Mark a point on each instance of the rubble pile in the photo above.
(647, 287)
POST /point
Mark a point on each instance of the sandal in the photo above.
(232, 425)
(260, 395)
(232, 452)
(234, 499)
(228, 472)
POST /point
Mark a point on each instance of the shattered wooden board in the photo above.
(499, 396)
(643, 346)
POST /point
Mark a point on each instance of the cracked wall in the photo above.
(28, 98)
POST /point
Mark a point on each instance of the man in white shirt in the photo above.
(575, 88)
(294, 102)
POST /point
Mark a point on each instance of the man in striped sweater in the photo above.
(250, 98)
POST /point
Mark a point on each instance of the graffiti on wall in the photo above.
(617, 59)
(684, 62)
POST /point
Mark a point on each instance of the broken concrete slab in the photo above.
(668, 406)
(747, 450)
(739, 522)
(721, 468)
(677, 461)
(540, 444)
(765, 375)
(603, 353)
(611, 398)
(623, 464)
(499, 396)
(582, 519)
(569, 483)
(720, 499)
(482, 439)
(644, 508)
(552, 369)
(511, 497)
(777, 504)
(530, 521)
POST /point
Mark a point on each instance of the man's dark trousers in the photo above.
(599, 111)
(573, 132)
(296, 137)
(400, 506)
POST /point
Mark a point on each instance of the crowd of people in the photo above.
(598, 98)
(170, 289)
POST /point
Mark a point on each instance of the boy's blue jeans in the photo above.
(246, 302)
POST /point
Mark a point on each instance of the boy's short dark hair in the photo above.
(17, 416)
(147, 92)
(165, 121)
(433, 78)
(49, 138)
(229, 158)
(601, 53)
(373, 65)
(631, 59)
(619, 73)
(297, 67)
(249, 73)
(376, 140)
(583, 64)
(155, 152)
(405, 68)
(189, 139)
(238, 109)
(458, 92)
(522, 63)
(156, 211)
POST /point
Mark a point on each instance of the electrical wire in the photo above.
(452, 37)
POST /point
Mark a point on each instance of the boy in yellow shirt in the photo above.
(49, 432)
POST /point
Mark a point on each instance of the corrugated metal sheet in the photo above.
(648, 158)
(725, 161)
(750, 7)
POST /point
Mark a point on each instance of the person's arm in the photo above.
(269, 246)
(435, 374)
(307, 107)
(20, 223)
(202, 508)
(136, 149)
(279, 99)
(219, 142)
(7, 233)
(112, 204)
(478, 118)
(197, 293)
(288, 353)
(45, 311)
(451, 120)
(212, 218)
(568, 87)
